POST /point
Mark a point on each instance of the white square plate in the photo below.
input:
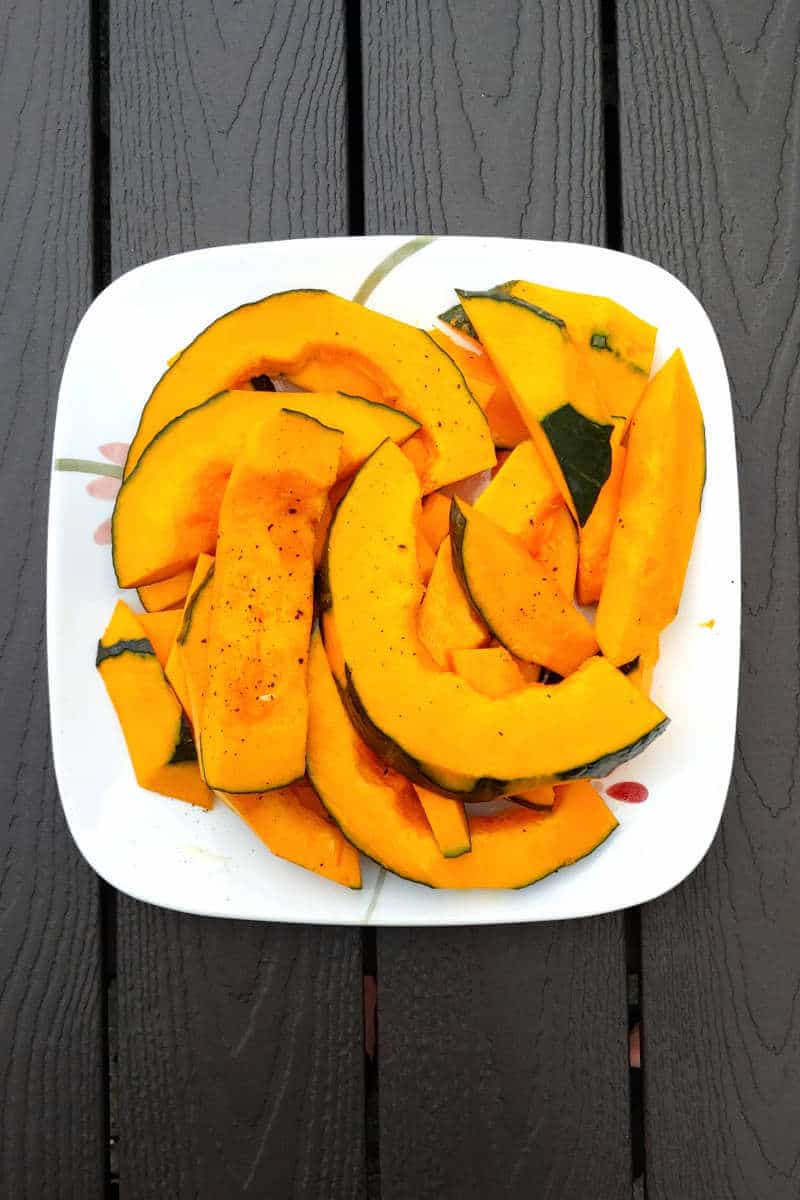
(166, 852)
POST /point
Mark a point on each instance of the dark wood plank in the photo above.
(52, 1082)
(710, 132)
(241, 1048)
(503, 1065)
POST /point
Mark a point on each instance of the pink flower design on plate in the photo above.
(105, 487)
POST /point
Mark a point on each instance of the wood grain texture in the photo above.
(51, 1072)
(502, 1051)
(483, 118)
(240, 1045)
(710, 141)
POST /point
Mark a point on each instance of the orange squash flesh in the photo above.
(427, 721)
(542, 797)
(253, 725)
(279, 334)
(658, 511)
(558, 549)
(448, 822)
(510, 849)
(435, 519)
(507, 426)
(160, 629)
(167, 593)
(595, 535)
(191, 644)
(158, 739)
(491, 671)
(294, 825)
(167, 511)
(521, 603)
(521, 498)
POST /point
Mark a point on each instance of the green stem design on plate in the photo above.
(376, 893)
(388, 264)
(86, 466)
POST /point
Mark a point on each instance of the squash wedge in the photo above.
(253, 724)
(658, 512)
(157, 735)
(491, 671)
(191, 644)
(507, 426)
(167, 593)
(380, 813)
(160, 629)
(553, 390)
(167, 511)
(435, 520)
(595, 536)
(520, 601)
(282, 332)
(427, 722)
(448, 822)
(558, 548)
(294, 825)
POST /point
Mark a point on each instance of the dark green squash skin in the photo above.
(188, 615)
(184, 750)
(583, 450)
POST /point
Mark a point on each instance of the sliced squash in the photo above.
(167, 512)
(557, 551)
(167, 593)
(253, 724)
(157, 735)
(380, 813)
(428, 722)
(283, 332)
(294, 825)
(521, 498)
(658, 511)
(542, 797)
(435, 520)
(191, 644)
(335, 375)
(595, 535)
(160, 629)
(521, 603)
(553, 390)
(491, 671)
(507, 426)
(448, 822)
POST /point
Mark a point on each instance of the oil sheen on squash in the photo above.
(379, 811)
(253, 726)
(427, 721)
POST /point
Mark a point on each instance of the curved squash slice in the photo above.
(596, 534)
(491, 671)
(167, 593)
(175, 670)
(158, 738)
(448, 822)
(435, 519)
(558, 549)
(160, 629)
(521, 498)
(554, 392)
(428, 722)
(293, 824)
(658, 512)
(253, 723)
(507, 426)
(542, 797)
(167, 510)
(522, 604)
(192, 641)
(282, 332)
(381, 815)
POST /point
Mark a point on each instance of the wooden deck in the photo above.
(152, 1055)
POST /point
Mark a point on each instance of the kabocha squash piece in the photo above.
(167, 512)
(335, 375)
(644, 667)
(521, 603)
(554, 392)
(379, 812)
(283, 332)
(160, 629)
(658, 511)
(191, 644)
(435, 519)
(595, 535)
(507, 426)
(253, 724)
(167, 593)
(427, 722)
(491, 671)
(557, 551)
(294, 825)
(448, 822)
(157, 735)
(426, 556)
(521, 498)
(542, 797)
